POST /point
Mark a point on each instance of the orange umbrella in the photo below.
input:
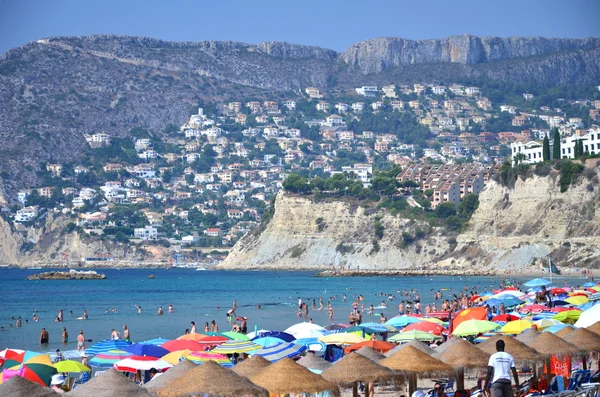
(191, 337)
(474, 313)
(378, 345)
(425, 326)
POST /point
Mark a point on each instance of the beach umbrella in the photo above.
(533, 309)
(158, 382)
(106, 345)
(217, 334)
(336, 327)
(414, 363)
(213, 340)
(425, 326)
(556, 327)
(38, 373)
(107, 360)
(180, 344)
(474, 327)
(71, 366)
(141, 363)
(511, 292)
(568, 317)
(375, 344)
(595, 327)
(527, 335)
(547, 344)
(155, 341)
(463, 355)
(564, 331)
(474, 313)
(589, 317)
(279, 351)
(354, 368)
(176, 356)
(584, 339)
(140, 349)
(341, 339)
(510, 301)
(360, 331)
(504, 318)
(418, 335)
(377, 327)
(284, 336)
(515, 327)
(109, 384)
(236, 335)
(546, 323)
(414, 343)
(17, 386)
(537, 282)
(287, 377)
(236, 346)
(370, 353)
(314, 363)
(577, 300)
(195, 337)
(11, 357)
(303, 327)
(519, 350)
(484, 337)
(267, 341)
(203, 357)
(250, 366)
(589, 284)
(210, 380)
(401, 321)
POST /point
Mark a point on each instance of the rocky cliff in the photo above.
(511, 229)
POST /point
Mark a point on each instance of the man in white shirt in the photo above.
(500, 366)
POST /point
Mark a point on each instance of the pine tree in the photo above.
(556, 149)
(546, 149)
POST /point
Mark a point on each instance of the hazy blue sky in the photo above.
(327, 23)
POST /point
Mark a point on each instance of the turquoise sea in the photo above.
(196, 296)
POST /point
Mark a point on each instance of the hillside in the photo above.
(55, 90)
(511, 229)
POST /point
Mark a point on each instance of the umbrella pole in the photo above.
(355, 389)
(412, 384)
(584, 359)
(460, 379)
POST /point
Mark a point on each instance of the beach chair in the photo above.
(557, 385)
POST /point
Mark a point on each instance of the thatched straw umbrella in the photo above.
(211, 379)
(314, 362)
(286, 377)
(548, 344)
(414, 343)
(594, 328)
(585, 340)
(355, 368)
(564, 332)
(370, 353)
(438, 351)
(463, 355)
(176, 372)
(415, 363)
(519, 350)
(250, 366)
(109, 384)
(528, 335)
(18, 386)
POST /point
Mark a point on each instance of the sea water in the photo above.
(199, 296)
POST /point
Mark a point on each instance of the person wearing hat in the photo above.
(56, 383)
(500, 366)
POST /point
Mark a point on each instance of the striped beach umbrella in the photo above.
(236, 346)
(268, 341)
(235, 335)
(107, 360)
(176, 356)
(203, 357)
(414, 334)
(138, 363)
(106, 345)
(280, 350)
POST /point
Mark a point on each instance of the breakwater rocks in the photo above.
(70, 275)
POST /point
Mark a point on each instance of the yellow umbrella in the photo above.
(577, 300)
(40, 359)
(174, 357)
(568, 317)
(474, 327)
(432, 320)
(516, 327)
(341, 339)
(71, 366)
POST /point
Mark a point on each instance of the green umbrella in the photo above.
(414, 334)
(71, 366)
(475, 327)
(568, 316)
(235, 335)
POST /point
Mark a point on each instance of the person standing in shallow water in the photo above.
(126, 334)
(65, 335)
(80, 341)
(44, 337)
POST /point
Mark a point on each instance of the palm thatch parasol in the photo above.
(414, 343)
(594, 328)
(286, 377)
(437, 352)
(415, 363)
(313, 362)
(173, 373)
(18, 386)
(519, 350)
(370, 353)
(211, 379)
(251, 366)
(355, 368)
(586, 340)
(528, 335)
(463, 355)
(564, 332)
(547, 344)
(109, 384)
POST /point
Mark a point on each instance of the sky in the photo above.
(326, 23)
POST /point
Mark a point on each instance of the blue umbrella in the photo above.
(555, 328)
(279, 351)
(589, 284)
(155, 341)
(281, 335)
(142, 349)
(510, 301)
(538, 282)
(379, 328)
(268, 341)
(541, 316)
(492, 302)
(560, 303)
(401, 321)
(106, 345)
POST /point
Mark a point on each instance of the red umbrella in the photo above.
(440, 315)
(378, 345)
(559, 291)
(425, 326)
(533, 309)
(562, 309)
(505, 317)
(182, 344)
(213, 340)
(474, 313)
(141, 363)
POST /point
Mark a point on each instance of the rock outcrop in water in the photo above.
(70, 275)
